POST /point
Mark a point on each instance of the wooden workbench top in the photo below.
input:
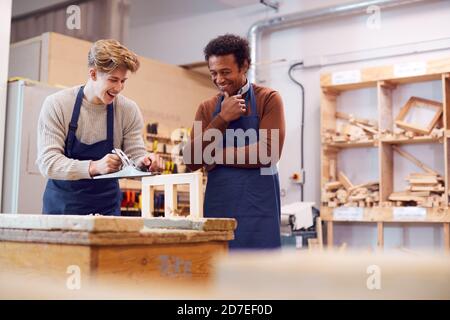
(88, 223)
(103, 230)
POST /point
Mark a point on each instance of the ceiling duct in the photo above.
(313, 16)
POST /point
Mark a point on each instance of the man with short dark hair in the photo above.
(243, 191)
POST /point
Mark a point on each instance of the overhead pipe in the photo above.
(313, 16)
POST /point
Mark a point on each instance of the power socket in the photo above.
(298, 177)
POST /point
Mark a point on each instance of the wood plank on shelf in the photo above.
(349, 117)
(159, 138)
(414, 160)
(373, 83)
(344, 145)
(345, 181)
(364, 185)
(414, 140)
(370, 76)
(414, 79)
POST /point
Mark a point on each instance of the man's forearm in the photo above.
(257, 155)
(59, 167)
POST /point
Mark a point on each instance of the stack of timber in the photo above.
(355, 130)
(344, 193)
(424, 189)
(402, 134)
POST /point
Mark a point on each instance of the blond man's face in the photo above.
(108, 85)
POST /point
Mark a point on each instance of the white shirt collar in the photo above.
(245, 88)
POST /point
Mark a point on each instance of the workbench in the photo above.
(101, 247)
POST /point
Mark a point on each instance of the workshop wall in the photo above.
(181, 40)
(163, 41)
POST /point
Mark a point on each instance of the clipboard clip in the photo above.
(129, 169)
(126, 162)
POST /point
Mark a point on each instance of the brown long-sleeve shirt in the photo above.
(271, 116)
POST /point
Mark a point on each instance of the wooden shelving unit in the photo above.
(381, 89)
(162, 139)
(425, 139)
(363, 144)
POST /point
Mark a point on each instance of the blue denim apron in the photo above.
(84, 196)
(244, 194)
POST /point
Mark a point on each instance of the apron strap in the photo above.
(253, 107)
(73, 125)
(110, 124)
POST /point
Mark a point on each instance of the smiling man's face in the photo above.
(108, 85)
(225, 73)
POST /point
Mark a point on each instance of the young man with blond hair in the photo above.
(80, 126)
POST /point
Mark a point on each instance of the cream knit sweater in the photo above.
(53, 127)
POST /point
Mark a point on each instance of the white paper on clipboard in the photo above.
(127, 172)
(129, 168)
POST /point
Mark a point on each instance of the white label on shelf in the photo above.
(409, 69)
(348, 213)
(344, 77)
(409, 213)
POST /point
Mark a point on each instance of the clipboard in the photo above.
(129, 169)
